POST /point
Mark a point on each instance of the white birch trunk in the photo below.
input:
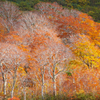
(42, 91)
(4, 84)
(54, 87)
(54, 82)
(13, 85)
(24, 93)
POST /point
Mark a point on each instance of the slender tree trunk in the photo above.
(24, 93)
(13, 86)
(12, 91)
(54, 82)
(54, 87)
(4, 85)
(42, 91)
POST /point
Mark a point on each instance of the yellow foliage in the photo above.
(80, 91)
(87, 52)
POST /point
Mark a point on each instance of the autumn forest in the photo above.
(49, 53)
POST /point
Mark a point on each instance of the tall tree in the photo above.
(9, 14)
(11, 58)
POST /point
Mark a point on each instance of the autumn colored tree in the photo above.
(50, 51)
(11, 58)
(41, 64)
(9, 15)
(87, 52)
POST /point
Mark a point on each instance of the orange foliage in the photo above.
(40, 36)
(14, 98)
(85, 80)
(69, 23)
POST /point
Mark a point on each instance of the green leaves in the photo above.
(69, 73)
(24, 6)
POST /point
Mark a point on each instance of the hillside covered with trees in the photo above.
(91, 7)
(49, 53)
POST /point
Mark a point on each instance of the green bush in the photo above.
(84, 96)
(24, 6)
(57, 97)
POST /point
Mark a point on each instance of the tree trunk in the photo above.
(42, 91)
(54, 87)
(24, 93)
(14, 81)
(54, 81)
(4, 85)
(54, 84)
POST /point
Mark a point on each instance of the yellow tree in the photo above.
(88, 53)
